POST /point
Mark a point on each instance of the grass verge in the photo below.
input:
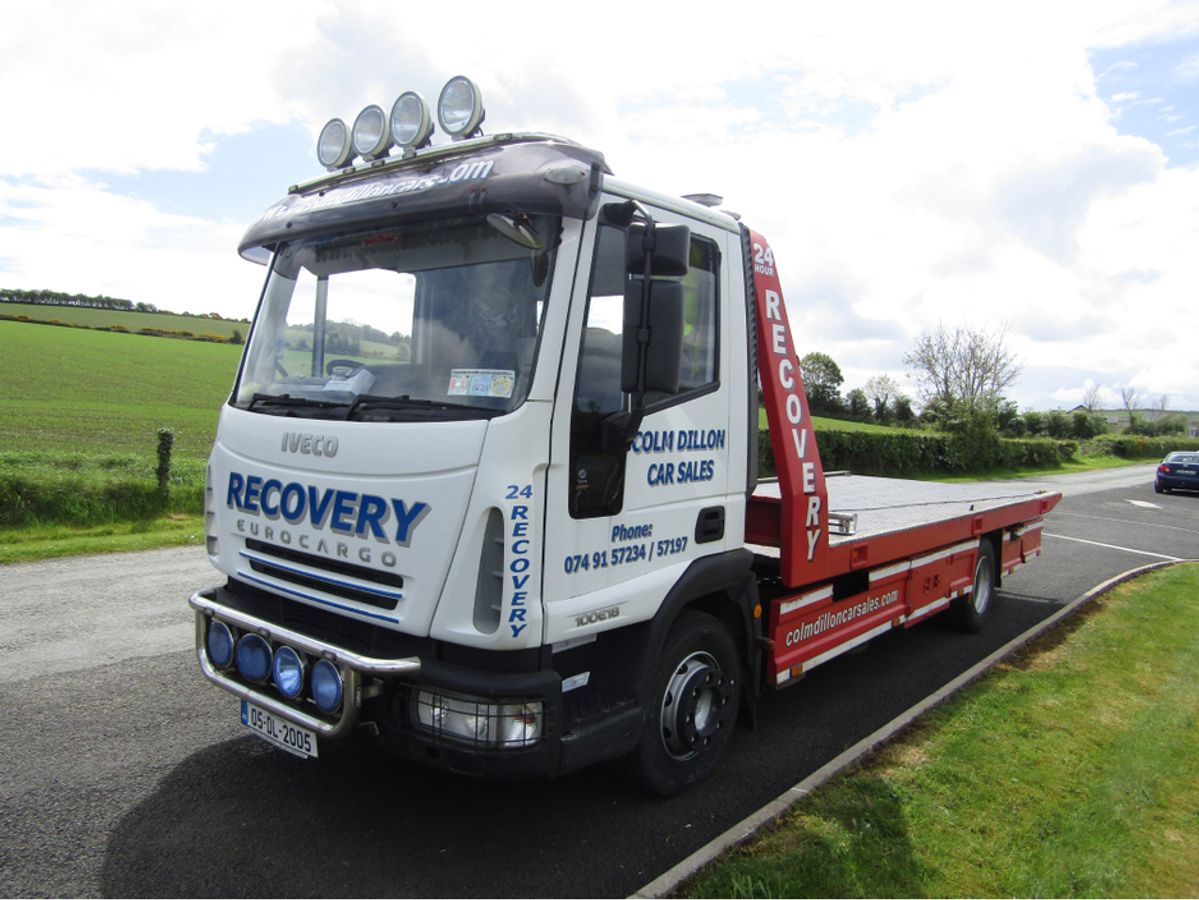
(1073, 770)
(51, 541)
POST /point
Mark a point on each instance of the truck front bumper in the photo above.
(414, 701)
(353, 666)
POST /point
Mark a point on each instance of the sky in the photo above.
(1028, 166)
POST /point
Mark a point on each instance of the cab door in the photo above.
(624, 522)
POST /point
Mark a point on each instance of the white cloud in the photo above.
(64, 234)
(910, 163)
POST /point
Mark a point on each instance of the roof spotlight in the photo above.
(411, 124)
(333, 146)
(372, 138)
(460, 108)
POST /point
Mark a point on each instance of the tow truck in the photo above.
(487, 484)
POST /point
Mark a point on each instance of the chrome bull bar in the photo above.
(352, 665)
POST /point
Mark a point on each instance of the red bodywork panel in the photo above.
(804, 498)
(812, 626)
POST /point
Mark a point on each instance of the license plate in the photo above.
(274, 730)
(1187, 472)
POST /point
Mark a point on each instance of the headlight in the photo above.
(460, 108)
(333, 146)
(411, 125)
(498, 724)
(372, 137)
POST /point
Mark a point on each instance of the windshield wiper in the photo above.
(289, 401)
(377, 401)
(364, 402)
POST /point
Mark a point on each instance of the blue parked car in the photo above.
(1179, 469)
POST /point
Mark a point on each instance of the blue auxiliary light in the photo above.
(326, 687)
(254, 658)
(219, 644)
(288, 672)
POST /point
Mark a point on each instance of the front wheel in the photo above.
(692, 708)
(971, 613)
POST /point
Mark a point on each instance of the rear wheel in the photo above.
(970, 613)
(692, 710)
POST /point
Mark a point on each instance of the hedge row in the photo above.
(907, 453)
(1137, 446)
(235, 338)
(93, 493)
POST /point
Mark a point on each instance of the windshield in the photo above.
(430, 321)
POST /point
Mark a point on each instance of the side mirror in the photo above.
(670, 250)
(664, 346)
(653, 308)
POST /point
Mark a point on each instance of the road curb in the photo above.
(666, 883)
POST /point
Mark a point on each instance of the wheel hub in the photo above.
(983, 580)
(694, 705)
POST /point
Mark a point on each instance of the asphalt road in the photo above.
(125, 774)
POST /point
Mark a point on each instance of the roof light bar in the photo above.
(409, 125)
(460, 108)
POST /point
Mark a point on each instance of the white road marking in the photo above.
(1114, 547)
(1145, 504)
(1058, 513)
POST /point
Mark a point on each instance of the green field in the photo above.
(86, 317)
(73, 390)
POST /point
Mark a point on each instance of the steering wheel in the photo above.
(350, 364)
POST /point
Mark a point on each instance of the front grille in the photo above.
(382, 590)
(323, 625)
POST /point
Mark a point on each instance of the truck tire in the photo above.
(970, 613)
(692, 709)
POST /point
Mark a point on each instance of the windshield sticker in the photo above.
(481, 383)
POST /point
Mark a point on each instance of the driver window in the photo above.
(597, 467)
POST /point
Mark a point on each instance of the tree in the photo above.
(1087, 425)
(880, 390)
(859, 404)
(1090, 396)
(1007, 419)
(967, 367)
(1128, 397)
(822, 380)
(1160, 406)
(1057, 425)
